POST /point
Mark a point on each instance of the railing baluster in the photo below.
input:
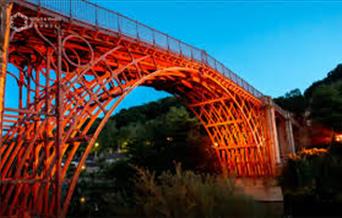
(153, 38)
(70, 10)
(96, 17)
(168, 42)
(137, 30)
(180, 48)
(119, 26)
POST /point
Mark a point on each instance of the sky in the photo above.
(276, 46)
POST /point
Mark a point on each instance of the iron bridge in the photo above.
(65, 63)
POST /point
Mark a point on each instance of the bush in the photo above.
(302, 170)
(186, 194)
(311, 183)
(175, 193)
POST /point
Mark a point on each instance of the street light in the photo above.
(338, 137)
(97, 144)
(82, 200)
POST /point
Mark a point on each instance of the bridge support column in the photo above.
(285, 136)
(273, 135)
(5, 13)
(289, 134)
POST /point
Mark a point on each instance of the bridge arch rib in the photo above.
(96, 72)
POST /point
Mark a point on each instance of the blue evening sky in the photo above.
(276, 46)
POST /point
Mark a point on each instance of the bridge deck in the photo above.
(102, 20)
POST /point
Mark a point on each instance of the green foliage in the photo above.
(326, 105)
(333, 76)
(293, 101)
(186, 194)
(157, 134)
(174, 136)
(120, 173)
(99, 196)
(108, 136)
(301, 171)
(323, 99)
(153, 136)
(313, 174)
(178, 194)
(311, 183)
(145, 112)
(126, 124)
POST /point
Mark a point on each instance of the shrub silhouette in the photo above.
(186, 194)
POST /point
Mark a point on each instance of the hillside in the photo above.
(320, 106)
(156, 135)
(332, 78)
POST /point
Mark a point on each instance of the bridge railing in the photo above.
(101, 17)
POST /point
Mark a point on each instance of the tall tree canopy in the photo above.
(293, 101)
(333, 76)
(322, 100)
(157, 134)
(326, 106)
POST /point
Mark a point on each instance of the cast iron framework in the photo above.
(72, 62)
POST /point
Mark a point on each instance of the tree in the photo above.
(293, 101)
(174, 136)
(157, 134)
(108, 137)
(326, 106)
(333, 76)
